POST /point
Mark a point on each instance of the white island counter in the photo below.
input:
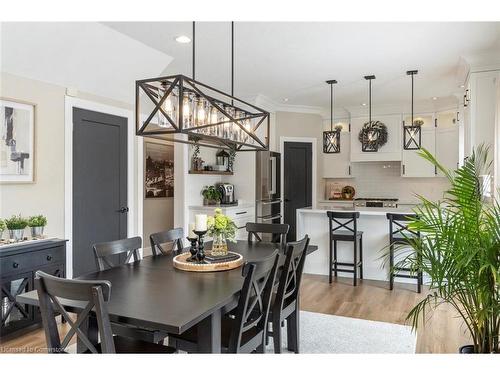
(375, 227)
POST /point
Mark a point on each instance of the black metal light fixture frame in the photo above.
(331, 138)
(157, 90)
(367, 144)
(412, 134)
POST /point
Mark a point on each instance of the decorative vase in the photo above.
(37, 232)
(219, 245)
(16, 234)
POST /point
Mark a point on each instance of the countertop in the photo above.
(374, 211)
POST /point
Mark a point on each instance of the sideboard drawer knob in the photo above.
(15, 265)
(49, 257)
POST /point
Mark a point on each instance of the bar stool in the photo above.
(346, 229)
(398, 235)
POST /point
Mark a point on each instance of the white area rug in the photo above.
(323, 333)
(330, 334)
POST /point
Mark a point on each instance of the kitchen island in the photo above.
(372, 222)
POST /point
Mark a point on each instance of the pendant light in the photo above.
(180, 109)
(412, 134)
(369, 141)
(331, 138)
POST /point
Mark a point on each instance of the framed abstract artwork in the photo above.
(17, 143)
(159, 170)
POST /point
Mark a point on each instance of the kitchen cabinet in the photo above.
(391, 151)
(339, 165)
(413, 165)
(447, 140)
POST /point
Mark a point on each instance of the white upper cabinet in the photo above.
(447, 140)
(413, 165)
(391, 151)
(339, 165)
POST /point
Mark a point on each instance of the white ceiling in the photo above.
(86, 56)
(292, 60)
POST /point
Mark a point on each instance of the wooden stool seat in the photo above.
(345, 235)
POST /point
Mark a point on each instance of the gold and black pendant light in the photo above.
(331, 138)
(369, 133)
(412, 134)
(180, 109)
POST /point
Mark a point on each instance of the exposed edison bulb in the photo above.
(186, 110)
(200, 113)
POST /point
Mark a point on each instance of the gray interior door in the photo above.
(99, 184)
(297, 175)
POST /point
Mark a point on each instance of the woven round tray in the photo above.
(181, 264)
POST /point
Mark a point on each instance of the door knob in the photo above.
(123, 210)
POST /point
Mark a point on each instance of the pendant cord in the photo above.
(194, 49)
(232, 61)
(370, 102)
(331, 106)
(412, 99)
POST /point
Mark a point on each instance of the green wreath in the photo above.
(375, 134)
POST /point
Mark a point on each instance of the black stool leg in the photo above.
(361, 257)
(355, 281)
(391, 265)
(330, 263)
(335, 257)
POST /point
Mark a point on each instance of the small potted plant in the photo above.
(37, 224)
(211, 196)
(16, 225)
(2, 227)
(222, 229)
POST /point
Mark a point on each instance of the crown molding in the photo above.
(272, 106)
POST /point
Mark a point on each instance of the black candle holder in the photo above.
(193, 249)
(200, 254)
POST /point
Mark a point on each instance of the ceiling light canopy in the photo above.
(183, 39)
(180, 109)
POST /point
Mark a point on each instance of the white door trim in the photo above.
(133, 197)
(313, 142)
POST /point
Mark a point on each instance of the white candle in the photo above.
(200, 221)
(191, 231)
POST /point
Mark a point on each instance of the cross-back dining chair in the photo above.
(244, 329)
(175, 236)
(104, 251)
(93, 296)
(278, 231)
(130, 247)
(285, 304)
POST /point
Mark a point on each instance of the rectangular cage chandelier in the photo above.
(179, 109)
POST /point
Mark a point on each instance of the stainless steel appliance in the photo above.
(376, 202)
(268, 187)
(227, 192)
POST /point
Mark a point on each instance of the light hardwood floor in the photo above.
(370, 300)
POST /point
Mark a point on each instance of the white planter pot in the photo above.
(16, 234)
(36, 232)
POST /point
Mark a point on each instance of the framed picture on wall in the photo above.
(159, 170)
(17, 132)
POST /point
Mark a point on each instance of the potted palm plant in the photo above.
(37, 224)
(459, 251)
(16, 225)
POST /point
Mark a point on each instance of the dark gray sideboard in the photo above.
(18, 264)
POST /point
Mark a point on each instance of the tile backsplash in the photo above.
(383, 180)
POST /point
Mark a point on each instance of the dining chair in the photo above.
(285, 302)
(278, 232)
(172, 235)
(94, 296)
(106, 252)
(244, 329)
(123, 251)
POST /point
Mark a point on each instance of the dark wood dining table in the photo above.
(152, 294)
